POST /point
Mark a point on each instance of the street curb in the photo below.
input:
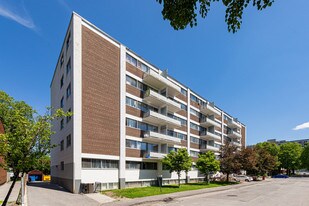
(177, 195)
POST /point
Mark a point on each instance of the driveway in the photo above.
(291, 192)
(48, 194)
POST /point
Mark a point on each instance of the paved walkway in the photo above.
(48, 194)
(167, 198)
(5, 188)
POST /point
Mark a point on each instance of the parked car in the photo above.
(280, 176)
(240, 178)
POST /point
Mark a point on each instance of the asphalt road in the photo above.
(47, 194)
(278, 192)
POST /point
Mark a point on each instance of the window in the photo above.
(61, 82)
(69, 91)
(194, 98)
(133, 82)
(61, 60)
(194, 126)
(194, 112)
(62, 165)
(131, 60)
(143, 67)
(131, 123)
(148, 166)
(194, 140)
(194, 153)
(183, 106)
(68, 66)
(139, 105)
(61, 124)
(99, 164)
(141, 125)
(61, 145)
(133, 165)
(183, 91)
(68, 41)
(62, 102)
(182, 121)
(69, 141)
(69, 117)
(136, 144)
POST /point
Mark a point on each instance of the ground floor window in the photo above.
(99, 163)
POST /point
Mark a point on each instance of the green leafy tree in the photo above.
(229, 159)
(182, 13)
(177, 162)
(265, 161)
(207, 163)
(305, 157)
(289, 156)
(43, 165)
(27, 135)
(273, 149)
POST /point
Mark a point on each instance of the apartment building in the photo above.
(128, 114)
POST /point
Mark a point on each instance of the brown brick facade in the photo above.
(182, 97)
(134, 132)
(133, 152)
(182, 113)
(195, 104)
(134, 91)
(194, 145)
(132, 69)
(3, 173)
(193, 131)
(195, 118)
(133, 111)
(243, 136)
(100, 95)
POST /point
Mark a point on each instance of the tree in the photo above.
(43, 165)
(229, 159)
(273, 149)
(207, 163)
(289, 156)
(305, 157)
(177, 162)
(27, 135)
(182, 13)
(249, 159)
(265, 161)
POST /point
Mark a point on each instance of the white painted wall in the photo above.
(99, 175)
(138, 175)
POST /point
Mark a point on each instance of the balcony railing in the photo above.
(209, 148)
(209, 109)
(154, 155)
(233, 123)
(160, 82)
(155, 99)
(234, 134)
(206, 135)
(207, 122)
(160, 119)
(155, 137)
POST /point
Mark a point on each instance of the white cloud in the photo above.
(21, 17)
(302, 126)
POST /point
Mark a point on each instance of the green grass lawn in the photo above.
(150, 191)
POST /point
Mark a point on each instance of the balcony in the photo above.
(158, 138)
(155, 118)
(210, 136)
(209, 109)
(159, 82)
(233, 134)
(157, 100)
(207, 122)
(206, 148)
(233, 123)
(154, 155)
(237, 144)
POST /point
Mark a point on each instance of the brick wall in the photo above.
(100, 95)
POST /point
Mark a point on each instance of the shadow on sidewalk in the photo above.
(47, 185)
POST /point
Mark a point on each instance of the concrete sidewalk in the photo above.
(172, 196)
(5, 188)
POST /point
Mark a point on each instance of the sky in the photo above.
(259, 75)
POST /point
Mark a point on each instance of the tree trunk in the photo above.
(178, 179)
(10, 190)
(227, 177)
(207, 178)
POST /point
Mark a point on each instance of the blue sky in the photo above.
(259, 74)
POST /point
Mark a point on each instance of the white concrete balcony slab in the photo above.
(233, 134)
(156, 118)
(232, 123)
(155, 137)
(154, 155)
(237, 144)
(209, 109)
(159, 82)
(157, 100)
(210, 136)
(209, 148)
(207, 122)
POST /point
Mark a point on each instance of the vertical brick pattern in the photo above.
(182, 97)
(243, 136)
(100, 95)
(132, 69)
(134, 152)
(3, 175)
